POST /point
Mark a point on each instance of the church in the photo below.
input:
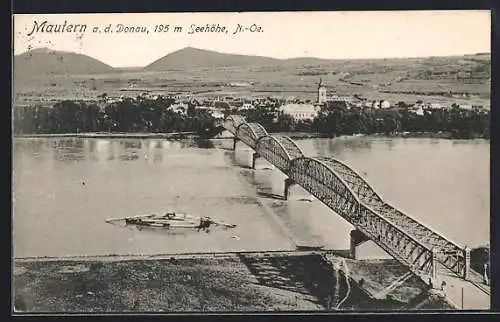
(306, 111)
(321, 99)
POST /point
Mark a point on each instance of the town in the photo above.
(329, 114)
(298, 108)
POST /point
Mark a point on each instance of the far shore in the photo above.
(194, 135)
(109, 135)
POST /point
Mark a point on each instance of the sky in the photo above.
(330, 35)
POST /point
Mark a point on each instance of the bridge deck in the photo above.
(475, 295)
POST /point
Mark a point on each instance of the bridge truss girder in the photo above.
(232, 122)
(447, 252)
(278, 150)
(270, 149)
(322, 182)
(349, 195)
(250, 133)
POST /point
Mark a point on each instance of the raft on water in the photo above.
(171, 220)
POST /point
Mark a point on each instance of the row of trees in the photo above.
(127, 116)
(155, 116)
(341, 121)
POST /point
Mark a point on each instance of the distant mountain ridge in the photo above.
(44, 61)
(194, 57)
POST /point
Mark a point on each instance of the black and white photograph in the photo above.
(314, 161)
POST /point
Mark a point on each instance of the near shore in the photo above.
(229, 283)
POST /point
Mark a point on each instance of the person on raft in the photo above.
(205, 223)
(170, 215)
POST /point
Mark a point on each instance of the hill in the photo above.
(193, 57)
(46, 62)
(464, 79)
(392, 75)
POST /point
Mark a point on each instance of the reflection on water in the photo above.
(324, 147)
(204, 143)
(65, 188)
(133, 144)
(74, 150)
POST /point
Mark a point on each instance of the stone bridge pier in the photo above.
(361, 247)
(292, 190)
(255, 156)
(258, 160)
(235, 142)
(287, 185)
(357, 238)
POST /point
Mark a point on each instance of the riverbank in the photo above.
(430, 135)
(166, 136)
(233, 283)
(292, 135)
(405, 135)
(105, 135)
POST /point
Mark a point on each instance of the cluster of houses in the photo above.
(181, 104)
(299, 110)
(308, 111)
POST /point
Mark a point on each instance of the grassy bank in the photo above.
(244, 282)
(168, 285)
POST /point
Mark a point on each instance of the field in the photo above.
(460, 79)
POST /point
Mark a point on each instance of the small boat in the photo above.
(171, 220)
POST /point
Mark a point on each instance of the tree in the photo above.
(285, 123)
(68, 117)
(155, 116)
(191, 111)
(401, 104)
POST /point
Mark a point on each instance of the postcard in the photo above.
(251, 162)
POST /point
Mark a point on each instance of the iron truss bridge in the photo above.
(343, 190)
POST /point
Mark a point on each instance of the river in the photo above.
(65, 188)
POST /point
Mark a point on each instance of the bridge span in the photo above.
(427, 254)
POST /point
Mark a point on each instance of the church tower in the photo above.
(321, 92)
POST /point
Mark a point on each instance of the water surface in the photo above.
(65, 188)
